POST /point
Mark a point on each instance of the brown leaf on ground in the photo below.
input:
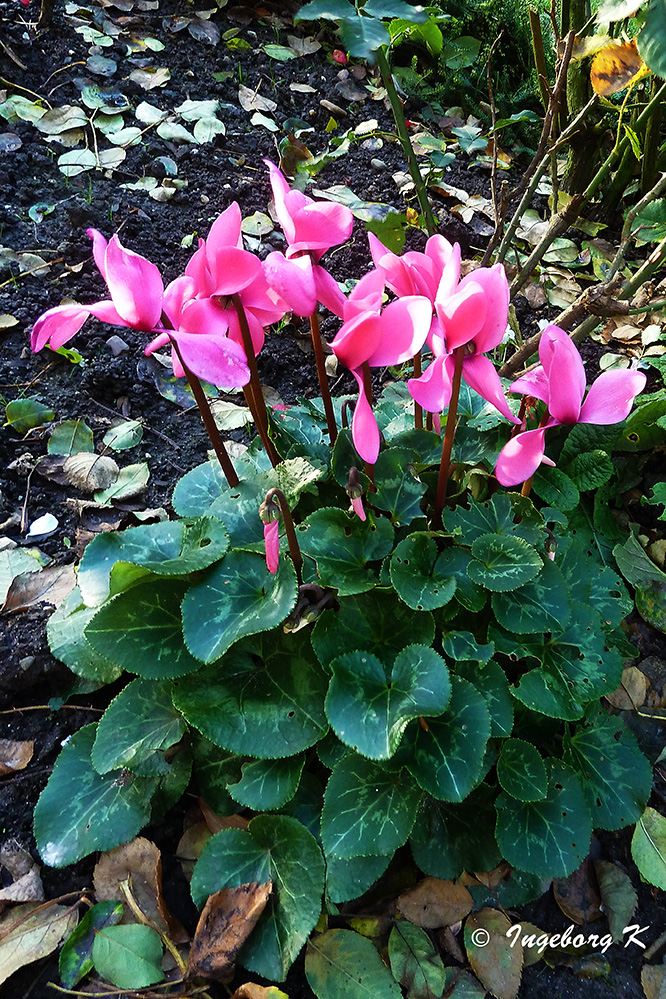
(14, 755)
(29, 932)
(26, 883)
(434, 903)
(50, 585)
(228, 918)
(449, 942)
(253, 991)
(140, 863)
(653, 980)
(218, 822)
(631, 692)
(190, 845)
(578, 895)
(496, 963)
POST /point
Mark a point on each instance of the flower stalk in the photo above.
(321, 375)
(253, 394)
(447, 444)
(270, 499)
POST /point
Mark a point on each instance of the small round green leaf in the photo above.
(128, 956)
(71, 437)
(521, 771)
(266, 785)
(503, 562)
(415, 575)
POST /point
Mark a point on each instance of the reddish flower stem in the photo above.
(208, 420)
(321, 375)
(294, 548)
(253, 394)
(418, 411)
(447, 445)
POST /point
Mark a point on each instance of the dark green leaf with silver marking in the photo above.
(369, 706)
(502, 562)
(398, 491)
(551, 836)
(65, 630)
(214, 768)
(369, 809)
(138, 723)
(521, 771)
(266, 785)
(236, 598)
(416, 576)
(506, 513)
(450, 838)
(351, 877)
(454, 562)
(141, 630)
(343, 546)
(540, 605)
(264, 699)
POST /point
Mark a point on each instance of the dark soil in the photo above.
(103, 387)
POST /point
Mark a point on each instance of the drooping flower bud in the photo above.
(354, 490)
(270, 513)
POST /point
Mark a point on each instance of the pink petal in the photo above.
(214, 358)
(357, 339)
(106, 312)
(98, 249)
(480, 374)
(257, 332)
(225, 231)
(318, 226)
(565, 372)
(357, 507)
(496, 287)
(432, 390)
(135, 284)
(440, 251)
(450, 268)
(58, 325)
(463, 313)
(328, 291)
(232, 270)
(272, 543)
(378, 250)
(280, 188)
(366, 295)
(161, 340)
(365, 432)
(404, 328)
(611, 397)
(204, 316)
(520, 457)
(293, 280)
(177, 295)
(435, 338)
(197, 269)
(534, 383)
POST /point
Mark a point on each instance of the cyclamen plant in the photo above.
(423, 667)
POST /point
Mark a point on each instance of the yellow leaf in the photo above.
(615, 67)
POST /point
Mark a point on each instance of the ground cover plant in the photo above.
(384, 642)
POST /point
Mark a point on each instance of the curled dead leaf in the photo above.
(14, 756)
(614, 67)
(90, 472)
(434, 903)
(228, 918)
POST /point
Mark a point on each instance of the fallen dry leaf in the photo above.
(138, 862)
(89, 472)
(253, 991)
(631, 692)
(653, 980)
(14, 755)
(50, 585)
(218, 822)
(29, 932)
(26, 883)
(434, 903)
(578, 895)
(228, 918)
(496, 964)
(250, 100)
(190, 845)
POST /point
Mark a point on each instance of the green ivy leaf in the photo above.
(170, 548)
(343, 547)
(351, 877)
(236, 598)
(369, 809)
(141, 630)
(521, 771)
(398, 491)
(503, 562)
(138, 723)
(379, 623)
(128, 956)
(341, 964)
(102, 810)
(448, 839)
(266, 785)
(454, 562)
(447, 758)
(416, 575)
(615, 775)
(265, 699)
(369, 706)
(274, 848)
(75, 960)
(65, 630)
(538, 606)
(550, 836)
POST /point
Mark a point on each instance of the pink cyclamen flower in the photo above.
(311, 228)
(559, 382)
(136, 289)
(378, 338)
(472, 314)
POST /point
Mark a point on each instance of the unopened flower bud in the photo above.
(354, 490)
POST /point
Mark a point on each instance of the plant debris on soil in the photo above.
(159, 176)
